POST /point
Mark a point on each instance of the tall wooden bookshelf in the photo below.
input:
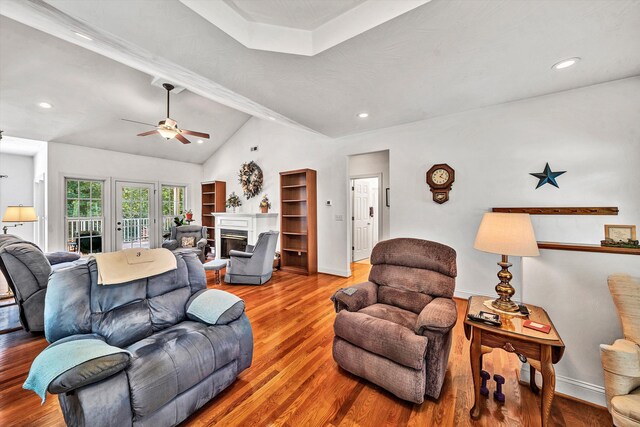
(298, 221)
(214, 194)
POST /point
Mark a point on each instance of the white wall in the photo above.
(593, 133)
(17, 189)
(373, 164)
(75, 161)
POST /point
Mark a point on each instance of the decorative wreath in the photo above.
(250, 178)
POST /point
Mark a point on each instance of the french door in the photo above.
(135, 215)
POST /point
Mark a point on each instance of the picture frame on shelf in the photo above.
(619, 232)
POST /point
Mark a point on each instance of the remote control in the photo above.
(477, 318)
(523, 309)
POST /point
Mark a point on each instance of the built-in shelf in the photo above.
(298, 225)
(584, 247)
(213, 195)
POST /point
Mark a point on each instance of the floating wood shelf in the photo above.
(584, 247)
(561, 211)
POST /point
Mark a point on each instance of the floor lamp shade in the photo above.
(20, 214)
(506, 234)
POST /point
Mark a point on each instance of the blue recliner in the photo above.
(27, 271)
(174, 365)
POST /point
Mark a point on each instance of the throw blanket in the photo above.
(210, 305)
(57, 359)
(133, 264)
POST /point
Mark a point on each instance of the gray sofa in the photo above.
(254, 266)
(27, 271)
(176, 365)
(198, 232)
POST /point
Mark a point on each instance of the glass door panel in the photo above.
(134, 215)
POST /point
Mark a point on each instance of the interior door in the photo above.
(361, 238)
(135, 215)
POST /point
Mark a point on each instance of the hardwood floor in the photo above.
(295, 382)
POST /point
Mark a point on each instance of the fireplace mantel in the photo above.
(252, 223)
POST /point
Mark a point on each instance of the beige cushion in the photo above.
(626, 409)
(188, 242)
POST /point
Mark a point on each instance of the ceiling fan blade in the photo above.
(151, 132)
(182, 139)
(135, 121)
(194, 133)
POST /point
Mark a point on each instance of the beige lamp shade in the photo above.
(20, 214)
(506, 234)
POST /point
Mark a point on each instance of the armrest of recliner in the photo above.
(440, 315)
(240, 254)
(621, 358)
(73, 362)
(201, 243)
(171, 244)
(60, 257)
(366, 294)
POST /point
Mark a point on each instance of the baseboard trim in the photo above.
(334, 272)
(571, 388)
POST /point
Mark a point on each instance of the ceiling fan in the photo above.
(168, 127)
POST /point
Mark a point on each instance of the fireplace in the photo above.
(237, 230)
(232, 240)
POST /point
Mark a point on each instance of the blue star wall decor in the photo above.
(547, 177)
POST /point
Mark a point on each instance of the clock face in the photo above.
(440, 176)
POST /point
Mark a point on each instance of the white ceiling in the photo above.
(90, 94)
(443, 57)
(302, 14)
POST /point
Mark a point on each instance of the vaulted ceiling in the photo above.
(443, 57)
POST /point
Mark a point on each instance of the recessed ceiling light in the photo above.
(565, 63)
(83, 36)
(363, 115)
(199, 141)
(271, 118)
(44, 105)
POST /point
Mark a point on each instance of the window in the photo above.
(84, 215)
(173, 204)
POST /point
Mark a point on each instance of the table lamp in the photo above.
(19, 214)
(506, 234)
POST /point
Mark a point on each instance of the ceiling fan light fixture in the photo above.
(167, 133)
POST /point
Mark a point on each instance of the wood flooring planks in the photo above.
(294, 381)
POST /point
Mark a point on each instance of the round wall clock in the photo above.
(440, 178)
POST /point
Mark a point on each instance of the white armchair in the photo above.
(621, 360)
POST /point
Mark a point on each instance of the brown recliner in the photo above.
(396, 329)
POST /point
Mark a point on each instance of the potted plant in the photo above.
(265, 205)
(233, 201)
(189, 215)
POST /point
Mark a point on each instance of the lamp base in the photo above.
(504, 288)
(508, 305)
